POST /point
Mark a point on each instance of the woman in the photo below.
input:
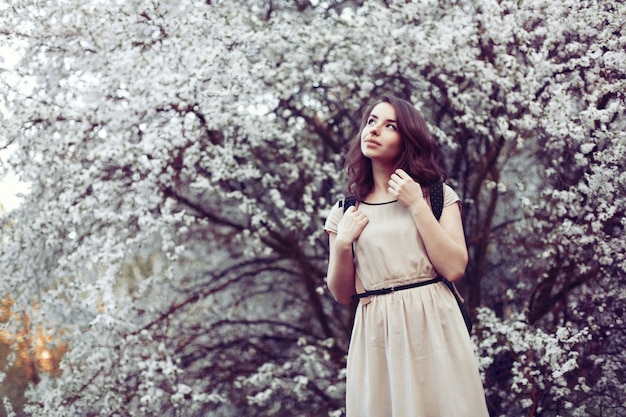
(410, 353)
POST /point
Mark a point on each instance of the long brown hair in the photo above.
(419, 155)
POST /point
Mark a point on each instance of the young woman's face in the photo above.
(380, 138)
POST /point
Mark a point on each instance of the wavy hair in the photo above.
(419, 155)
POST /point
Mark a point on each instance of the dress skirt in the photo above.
(411, 356)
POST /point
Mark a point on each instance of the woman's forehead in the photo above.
(384, 110)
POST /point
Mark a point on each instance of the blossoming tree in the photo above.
(182, 156)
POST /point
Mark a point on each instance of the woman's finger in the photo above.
(401, 173)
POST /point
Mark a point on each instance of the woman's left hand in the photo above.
(406, 190)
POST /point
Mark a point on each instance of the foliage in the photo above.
(182, 156)
(535, 367)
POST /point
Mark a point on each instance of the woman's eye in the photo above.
(392, 127)
(370, 121)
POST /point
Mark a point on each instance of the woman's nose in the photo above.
(374, 129)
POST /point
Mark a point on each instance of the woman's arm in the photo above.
(444, 239)
(340, 263)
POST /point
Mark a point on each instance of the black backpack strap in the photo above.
(436, 199)
(348, 201)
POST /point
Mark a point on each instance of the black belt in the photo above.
(394, 289)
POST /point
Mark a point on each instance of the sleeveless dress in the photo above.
(410, 354)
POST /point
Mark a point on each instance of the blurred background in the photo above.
(177, 159)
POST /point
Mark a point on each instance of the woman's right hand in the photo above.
(351, 225)
(341, 273)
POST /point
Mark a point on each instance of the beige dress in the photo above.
(410, 354)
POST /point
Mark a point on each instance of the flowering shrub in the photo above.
(298, 384)
(528, 371)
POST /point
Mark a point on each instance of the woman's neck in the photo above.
(381, 174)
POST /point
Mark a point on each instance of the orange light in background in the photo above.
(36, 350)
